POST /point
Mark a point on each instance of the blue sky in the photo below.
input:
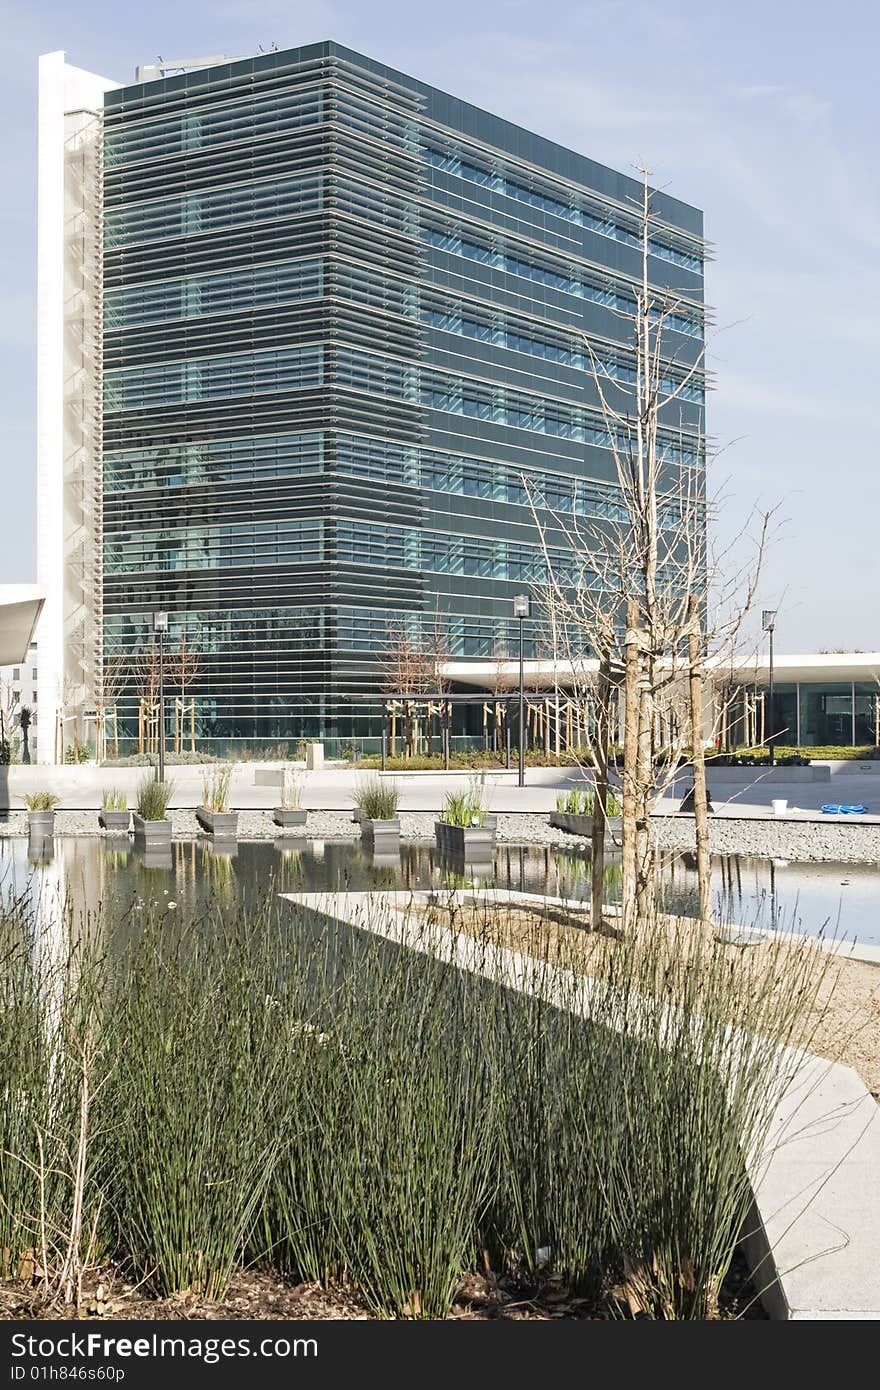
(765, 115)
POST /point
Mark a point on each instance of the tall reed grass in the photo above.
(264, 1086)
(579, 801)
(377, 799)
(153, 798)
(465, 808)
(215, 788)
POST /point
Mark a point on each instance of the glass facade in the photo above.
(344, 362)
(808, 714)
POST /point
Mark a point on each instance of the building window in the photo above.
(16, 673)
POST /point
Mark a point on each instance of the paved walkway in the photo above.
(333, 788)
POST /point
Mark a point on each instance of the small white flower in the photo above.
(170, 905)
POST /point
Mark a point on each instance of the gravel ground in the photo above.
(803, 841)
(800, 841)
(322, 825)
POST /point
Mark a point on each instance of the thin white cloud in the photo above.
(795, 101)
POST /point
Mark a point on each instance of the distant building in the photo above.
(311, 341)
(18, 691)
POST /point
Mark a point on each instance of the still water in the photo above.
(111, 876)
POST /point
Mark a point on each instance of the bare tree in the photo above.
(412, 666)
(646, 559)
(145, 670)
(183, 666)
(114, 677)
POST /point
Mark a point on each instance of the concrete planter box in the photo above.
(152, 834)
(384, 834)
(41, 824)
(583, 825)
(117, 821)
(465, 841)
(223, 824)
(289, 816)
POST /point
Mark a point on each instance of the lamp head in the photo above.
(522, 606)
(160, 622)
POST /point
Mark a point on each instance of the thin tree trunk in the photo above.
(645, 900)
(698, 757)
(600, 803)
(630, 761)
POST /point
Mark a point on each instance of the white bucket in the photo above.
(779, 807)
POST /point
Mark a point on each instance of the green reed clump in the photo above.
(632, 1101)
(267, 1084)
(112, 799)
(153, 798)
(377, 799)
(195, 1036)
(580, 801)
(465, 808)
(52, 1157)
(25, 1064)
(390, 1160)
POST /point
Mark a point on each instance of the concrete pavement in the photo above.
(333, 788)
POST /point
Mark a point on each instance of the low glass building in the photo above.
(821, 701)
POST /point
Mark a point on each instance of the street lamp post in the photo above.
(768, 623)
(160, 628)
(521, 610)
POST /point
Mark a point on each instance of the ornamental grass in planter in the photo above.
(150, 820)
(41, 813)
(574, 812)
(378, 801)
(214, 814)
(465, 829)
(114, 814)
(291, 811)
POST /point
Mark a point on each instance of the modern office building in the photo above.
(311, 350)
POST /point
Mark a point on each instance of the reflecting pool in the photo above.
(110, 875)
